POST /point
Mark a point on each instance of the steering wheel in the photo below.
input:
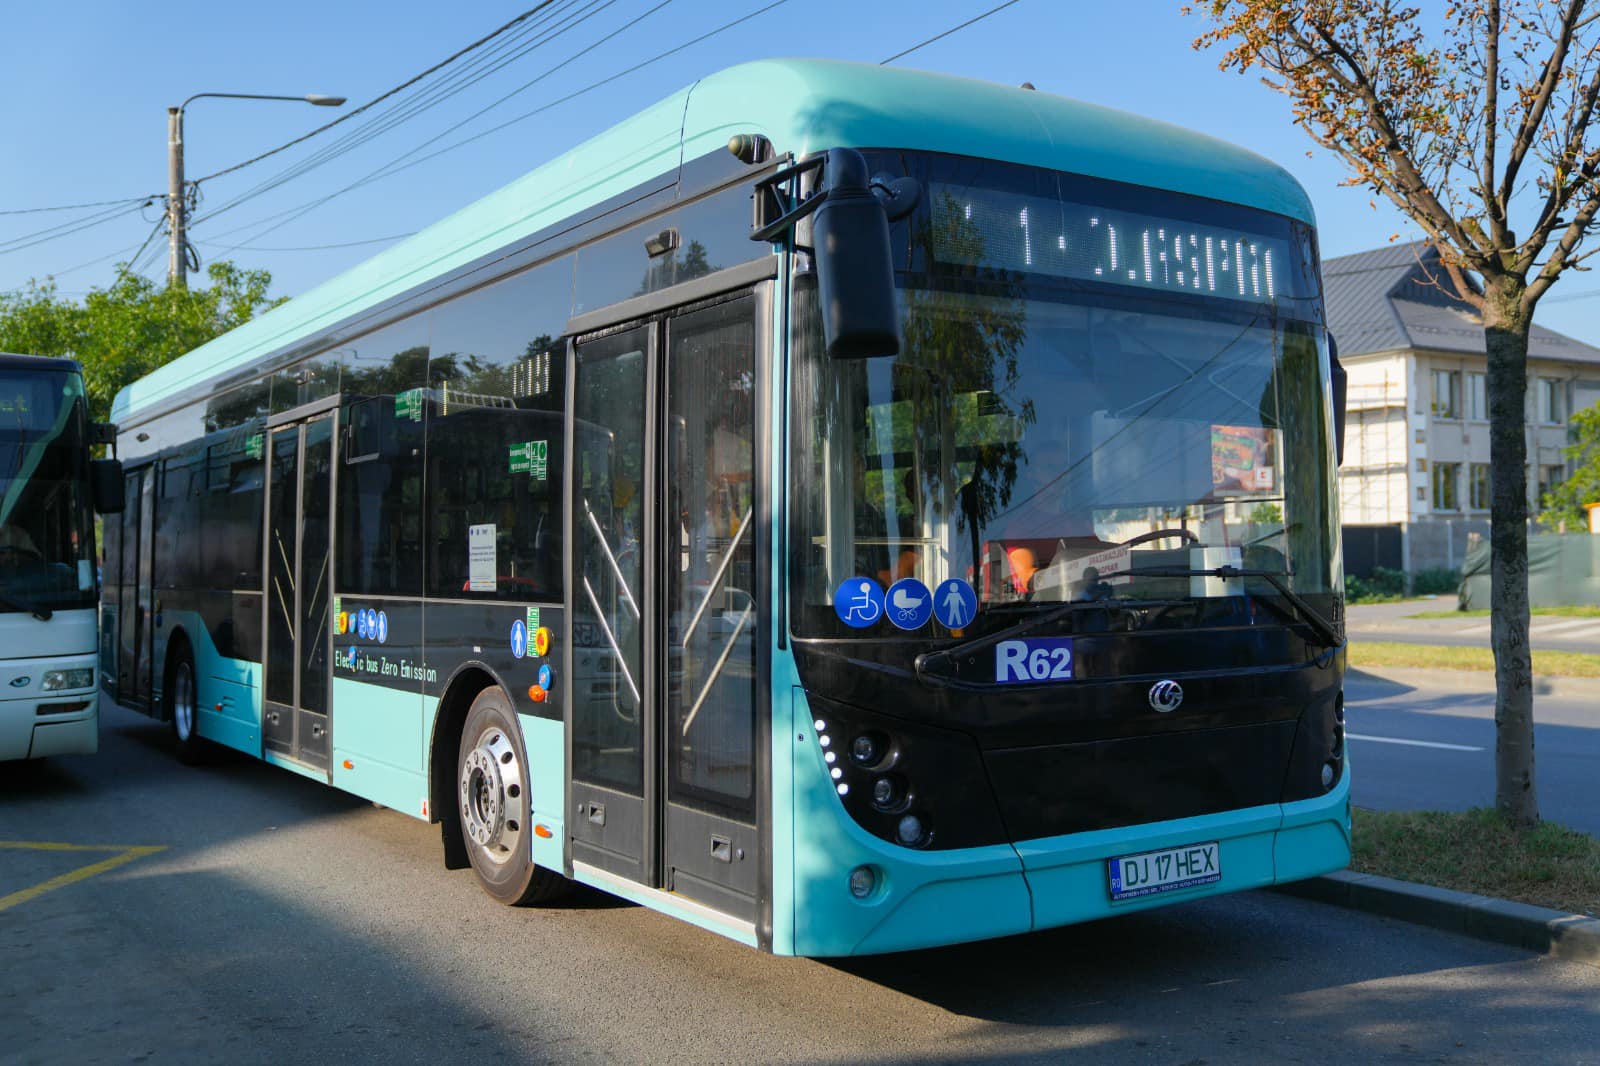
(1161, 534)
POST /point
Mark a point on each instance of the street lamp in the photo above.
(177, 260)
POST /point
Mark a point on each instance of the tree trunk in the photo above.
(1505, 330)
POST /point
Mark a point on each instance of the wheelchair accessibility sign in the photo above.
(858, 602)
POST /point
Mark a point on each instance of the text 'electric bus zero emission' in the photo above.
(944, 548)
(49, 595)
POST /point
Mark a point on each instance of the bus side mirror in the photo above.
(850, 214)
(855, 272)
(1341, 390)
(106, 486)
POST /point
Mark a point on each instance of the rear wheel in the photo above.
(183, 708)
(492, 795)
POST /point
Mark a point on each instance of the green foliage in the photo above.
(1439, 581)
(1381, 586)
(131, 327)
(1563, 507)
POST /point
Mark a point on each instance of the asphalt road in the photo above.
(286, 922)
(1419, 748)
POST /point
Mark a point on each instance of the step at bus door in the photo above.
(298, 644)
(665, 778)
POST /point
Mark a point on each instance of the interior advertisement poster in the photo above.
(1243, 460)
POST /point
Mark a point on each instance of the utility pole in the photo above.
(177, 188)
(177, 252)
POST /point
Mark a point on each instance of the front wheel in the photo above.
(492, 795)
(183, 707)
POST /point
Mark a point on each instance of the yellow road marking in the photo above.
(126, 854)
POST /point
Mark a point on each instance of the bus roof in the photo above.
(801, 106)
(58, 364)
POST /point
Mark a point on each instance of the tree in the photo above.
(1563, 506)
(131, 327)
(1476, 138)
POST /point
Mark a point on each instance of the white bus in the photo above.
(49, 595)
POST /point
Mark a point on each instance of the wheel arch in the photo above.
(460, 690)
(177, 643)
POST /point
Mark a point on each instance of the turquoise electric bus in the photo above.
(846, 508)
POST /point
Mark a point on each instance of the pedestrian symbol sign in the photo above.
(955, 604)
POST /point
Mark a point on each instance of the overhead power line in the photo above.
(78, 207)
(424, 99)
(308, 247)
(953, 29)
(347, 116)
(399, 164)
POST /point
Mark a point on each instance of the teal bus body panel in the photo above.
(806, 105)
(382, 733)
(801, 105)
(973, 893)
(1315, 837)
(546, 743)
(227, 696)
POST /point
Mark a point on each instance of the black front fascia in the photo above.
(1090, 753)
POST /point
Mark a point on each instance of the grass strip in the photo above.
(1448, 657)
(1479, 851)
(1564, 611)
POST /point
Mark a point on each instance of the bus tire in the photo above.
(492, 797)
(183, 707)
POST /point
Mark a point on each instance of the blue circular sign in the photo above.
(858, 602)
(519, 638)
(361, 623)
(908, 603)
(383, 627)
(955, 604)
(546, 676)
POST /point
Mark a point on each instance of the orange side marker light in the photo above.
(542, 831)
(536, 693)
(348, 765)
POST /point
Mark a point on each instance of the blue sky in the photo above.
(89, 84)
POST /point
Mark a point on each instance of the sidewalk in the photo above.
(1472, 682)
(1394, 622)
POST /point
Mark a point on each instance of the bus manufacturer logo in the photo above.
(1165, 696)
(21, 682)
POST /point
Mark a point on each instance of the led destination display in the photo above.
(1040, 235)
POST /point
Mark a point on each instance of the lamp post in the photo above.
(177, 205)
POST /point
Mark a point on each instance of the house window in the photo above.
(1478, 486)
(1552, 401)
(1445, 476)
(1550, 478)
(1477, 397)
(1447, 394)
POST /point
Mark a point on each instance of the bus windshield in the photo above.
(1051, 435)
(46, 531)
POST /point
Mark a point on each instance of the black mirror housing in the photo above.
(855, 269)
(106, 486)
(1341, 390)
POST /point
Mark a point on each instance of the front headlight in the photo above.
(56, 680)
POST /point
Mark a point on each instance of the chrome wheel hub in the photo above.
(493, 796)
(183, 702)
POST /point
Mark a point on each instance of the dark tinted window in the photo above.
(496, 392)
(230, 510)
(380, 527)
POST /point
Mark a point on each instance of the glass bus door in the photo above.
(665, 636)
(298, 643)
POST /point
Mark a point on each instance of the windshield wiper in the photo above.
(1308, 614)
(41, 613)
(930, 659)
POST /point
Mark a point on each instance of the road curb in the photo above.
(1569, 937)
(1477, 682)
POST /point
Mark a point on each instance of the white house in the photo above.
(1415, 479)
